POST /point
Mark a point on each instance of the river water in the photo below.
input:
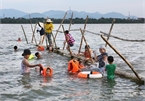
(64, 87)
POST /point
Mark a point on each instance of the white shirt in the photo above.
(24, 68)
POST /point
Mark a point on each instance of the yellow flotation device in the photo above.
(31, 57)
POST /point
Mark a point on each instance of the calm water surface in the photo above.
(64, 87)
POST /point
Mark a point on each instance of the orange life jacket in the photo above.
(40, 48)
(73, 66)
(88, 53)
(45, 73)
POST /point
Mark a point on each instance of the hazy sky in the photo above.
(135, 7)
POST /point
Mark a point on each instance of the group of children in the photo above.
(105, 62)
(46, 29)
(103, 59)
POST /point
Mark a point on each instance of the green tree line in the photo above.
(67, 21)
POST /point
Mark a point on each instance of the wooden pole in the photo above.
(70, 21)
(24, 34)
(53, 39)
(34, 34)
(85, 42)
(31, 28)
(59, 27)
(110, 31)
(122, 58)
(82, 36)
(64, 35)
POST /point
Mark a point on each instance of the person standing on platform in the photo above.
(48, 27)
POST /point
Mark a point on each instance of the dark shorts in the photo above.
(71, 44)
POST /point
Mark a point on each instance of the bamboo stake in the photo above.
(31, 28)
(122, 58)
(59, 27)
(53, 38)
(34, 33)
(85, 42)
(64, 35)
(24, 34)
(82, 36)
(70, 21)
(121, 38)
(110, 31)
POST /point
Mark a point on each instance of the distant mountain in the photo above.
(54, 14)
(114, 15)
(11, 13)
(34, 15)
(59, 14)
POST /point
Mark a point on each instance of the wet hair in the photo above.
(15, 47)
(36, 54)
(110, 58)
(66, 31)
(87, 46)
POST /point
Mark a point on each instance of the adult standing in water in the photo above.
(48, 27)
(41, 31)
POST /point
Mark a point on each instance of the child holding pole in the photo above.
(69, 40)
(102, 59)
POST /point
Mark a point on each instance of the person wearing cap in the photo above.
(25, 66)
(41, 31)
(102, 58)
(48, 27)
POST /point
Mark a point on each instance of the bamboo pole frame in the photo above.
(59, 28)
(85, 42)
(122, 58)
(64, 35)
(110, 31)
(70, 21)
(31, 28)
(34, 34)
(83, 34)
(24, 34)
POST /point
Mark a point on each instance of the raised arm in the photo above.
(29, 65)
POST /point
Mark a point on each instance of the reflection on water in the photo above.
(62, 86)
(26, 81)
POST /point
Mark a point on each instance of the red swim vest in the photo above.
(45, 71)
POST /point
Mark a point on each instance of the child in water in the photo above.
(15, 48)
(102, 59)
(70, 41)
(37, 54)
(87, 53)
(25, 66)
(19, 39)
(110, 68)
